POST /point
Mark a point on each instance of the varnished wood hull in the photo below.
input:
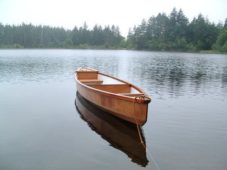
(130, 108)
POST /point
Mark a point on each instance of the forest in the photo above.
(173, 32)
(30, 36)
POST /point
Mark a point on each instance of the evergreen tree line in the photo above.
(30, 36)
(163, 32)
(175, 32)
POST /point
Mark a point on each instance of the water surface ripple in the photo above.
(41, 128)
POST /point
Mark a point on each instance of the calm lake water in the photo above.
(42, 129)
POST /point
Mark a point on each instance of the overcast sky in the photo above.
(124, 13)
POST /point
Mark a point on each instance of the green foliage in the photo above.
(174, 32)
(30, 36)
(221, 43)
(203, 33)
(163, 32)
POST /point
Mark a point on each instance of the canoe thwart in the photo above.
(113, 88)
(91, 81)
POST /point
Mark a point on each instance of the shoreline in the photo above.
(129, 49)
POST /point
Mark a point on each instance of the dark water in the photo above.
(41, 128)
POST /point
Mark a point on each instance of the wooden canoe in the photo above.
(116, 96)
(120, 134)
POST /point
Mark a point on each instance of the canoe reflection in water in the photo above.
(120, 134)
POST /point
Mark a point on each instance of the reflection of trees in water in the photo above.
(29, 68)
(224, 75)
(163, 72)
(176, 74)
(32, 68)
(224, 79)
(159, 72)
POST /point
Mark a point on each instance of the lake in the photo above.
(41, 127)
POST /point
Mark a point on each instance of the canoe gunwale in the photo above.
(144, 100)
(113, 95)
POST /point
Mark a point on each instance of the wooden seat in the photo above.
(113, 88)
(91, 81)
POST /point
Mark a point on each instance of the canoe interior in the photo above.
(103, 82)
(116, 96)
